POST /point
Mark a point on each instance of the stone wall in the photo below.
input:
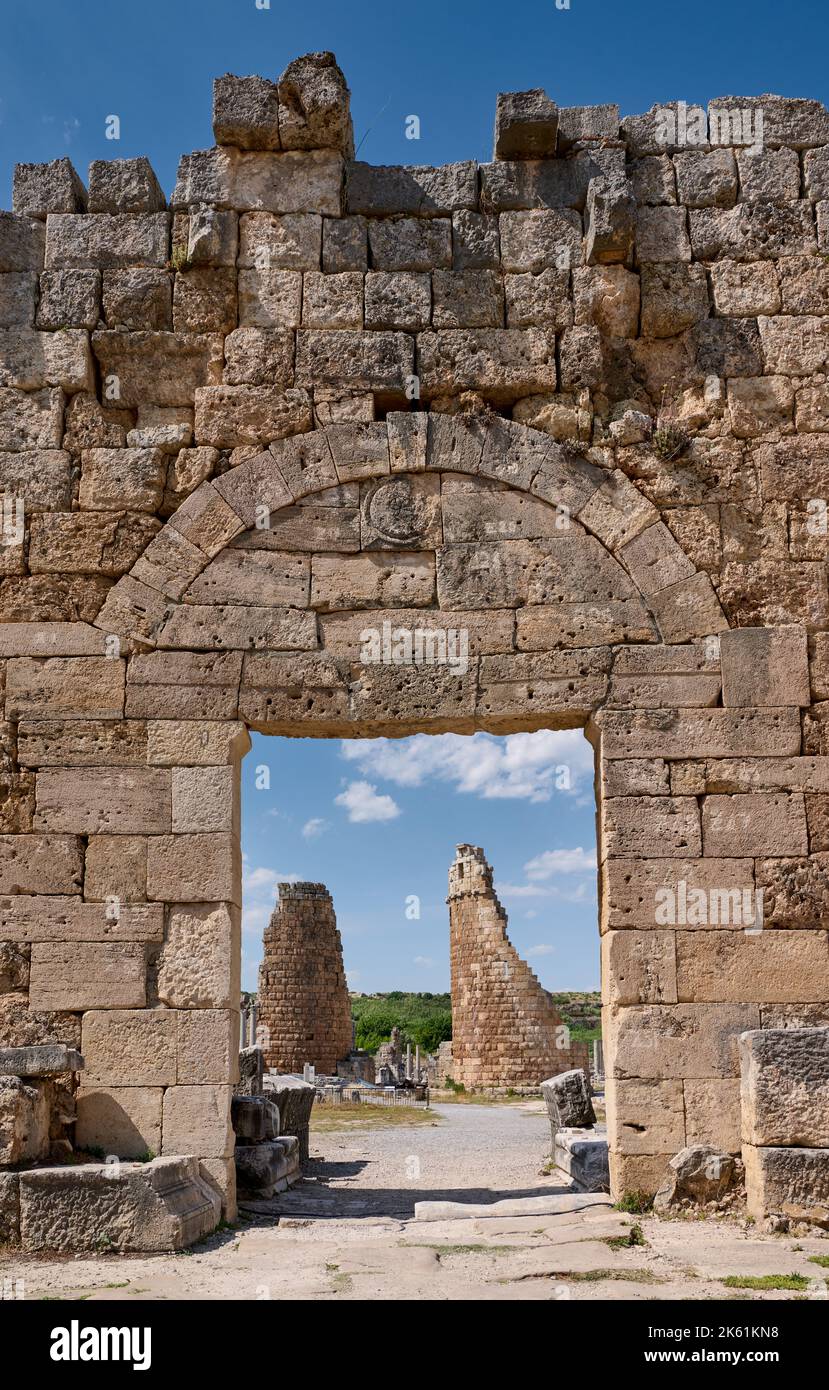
(506, 1031)
(572, 406)
(304, 1005)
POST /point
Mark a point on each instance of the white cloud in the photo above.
(545, 949)
(424, 960)
(314, 827)
(363, 803)
(560, 861)
(523, 890)
(516, 766)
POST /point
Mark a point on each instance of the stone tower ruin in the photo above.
(304, 1008)
(506, 1032)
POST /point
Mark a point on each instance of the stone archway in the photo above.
(588, 613)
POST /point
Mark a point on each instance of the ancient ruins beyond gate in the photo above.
(568, 410)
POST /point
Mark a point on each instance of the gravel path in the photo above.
(473, 1153)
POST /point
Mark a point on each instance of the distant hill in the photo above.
(582, 1012)
(424, 1020)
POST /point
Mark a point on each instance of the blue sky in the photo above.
(377, 821)
(65, 65)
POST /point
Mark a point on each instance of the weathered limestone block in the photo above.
(18, 299)
(207, 1046)
(699, 733)
(199, 959)
(307, 183)
(123, 185)
(24, 1121)
(39, 1061)
(115, 479)
(758, 405)
(467, 299)
(404, 699)
(693, 1041)
(647, 826)
(259, 357)
(635, 777)
(706, 180)
(541, 238)
(577, 124)
(526, 125)
(68, 299)
(582, 624)
(40, 864)
(160, 1206)
(640, 967)
(139, 299)
(95, 241)
(662, 235)
(207, 521)
(674, 297)
(186, 685)
(201, 743)
(204, 300)
(475, 241)
(502, 364)
(314, 106)
(654, 1115)
(196, 1119)
(193, 868)
(538, 301)
(31, 420)
(59, 919)
(420, 191)
(14, 967)
(785, 1087)
(82, 975)
(712, 1113)
(39, 189)
(129, 1047)
(728, 966)
(30, 360)
(238, 627)
(474, 509)
(276, 579)
(344, 244)
(488, 633)
(370, 581)
(203, 800)
(752, 232)
(411, 243)
(88, 543)
(116, 866)
(381, 362)
(761, 823)
(124, 1121)
(246, 112)
(570, 682)
(610, 221)
(129, 801)
(82, 687)
(281, 691)
(332, 301)
(744, 290)
(164, 368)
(523, 184)
(763, 666)
(269, 298)
(567, 1097)
(21, 1026)
(804, 285)
(791, 1182)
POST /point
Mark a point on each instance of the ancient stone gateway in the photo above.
(304, 1004)
(552, 404)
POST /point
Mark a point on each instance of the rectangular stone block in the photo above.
(285, 182)
(542, 628)
(124, 1121)
(787, 1182)
(683, 1041)
(205, 800)
(184, 685)
(76, 687)
(370, 581)
(22, 241)
(96, 240)
(229, 627)
(229, 416)
(410, 243)
(501, 363)
(784, 1087)
(122, 479)
(41, 864)
(377, 190)
(281, 692)
(208, 1046)
(196, 1120)
(487, 633)
(80, 975)
(645, 1117)
(350, 359)
(650, 826)
(31, 420)
(199, 963)
(772, 966)
(30, 360)
(62, 919)
(116, 867)
(126, 1047)
(196, 743)
(159, 368)
(639, 967)
(712, 1113)
(62, 742)
(760, 823)
(129, 802)
(194, 868)
(687, 894)
(765, 666)
(699, 733)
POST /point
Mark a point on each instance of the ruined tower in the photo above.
(304, 1008)
(506, 1032)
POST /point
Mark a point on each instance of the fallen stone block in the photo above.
(697, 1174)
(24, 1121)
(251, 1071)
(156, 1206)
(582, 1154)
(568, 1101)
(294, 1100)
(263, 1169)
(254, 1119)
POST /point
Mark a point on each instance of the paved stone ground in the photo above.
(348, 1233)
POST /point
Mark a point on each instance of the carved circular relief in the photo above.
(395, 512)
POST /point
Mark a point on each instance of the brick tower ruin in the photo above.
(304, 1008)
(506, 1031)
